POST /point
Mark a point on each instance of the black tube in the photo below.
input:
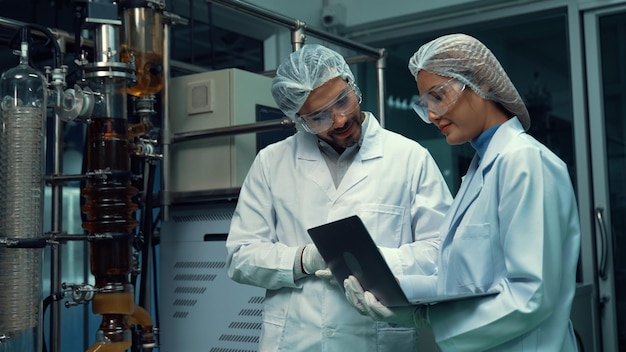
(146, 229)
(56, 49)
(78, 26)
(46, 303)
(155, 282)
(25, 243)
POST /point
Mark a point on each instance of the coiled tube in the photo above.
(23, 112)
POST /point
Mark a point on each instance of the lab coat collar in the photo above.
(503, 136)
(474, 179)
(371, 143)
(313, 166)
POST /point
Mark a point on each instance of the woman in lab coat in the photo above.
(513, 227)
(340, 163)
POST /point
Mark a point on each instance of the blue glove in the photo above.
(367, 304)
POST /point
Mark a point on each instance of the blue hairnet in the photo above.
(304, 70)
(469, 61)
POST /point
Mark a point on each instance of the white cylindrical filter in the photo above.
(22, 170)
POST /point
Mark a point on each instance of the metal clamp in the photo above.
(80, 293)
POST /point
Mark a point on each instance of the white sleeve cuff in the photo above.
(418, 286)
(297, 265)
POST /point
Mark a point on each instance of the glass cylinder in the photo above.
(109, 207)
(142, 37)
(22, 169)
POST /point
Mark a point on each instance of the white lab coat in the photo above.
(513, 225)
(396, 188)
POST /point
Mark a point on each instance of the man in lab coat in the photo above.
(339, 163)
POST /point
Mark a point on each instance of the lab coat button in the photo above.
(329, 332)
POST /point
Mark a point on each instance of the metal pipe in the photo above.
(64, 36)
(166, 201)
(54, 179)
(258, 12)
(298, 29)
(284, 123)
(65, 237)
(56, 253)
(381, 64)
(11, 24)
(298, 36)
(294, 24)
(67, 38)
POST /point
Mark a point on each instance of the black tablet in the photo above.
(348, 249)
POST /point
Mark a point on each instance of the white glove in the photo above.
(326, 274)
(367, 304)
(312, 261)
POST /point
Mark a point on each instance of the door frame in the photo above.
(599, 175)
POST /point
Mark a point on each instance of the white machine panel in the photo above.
(202, 309)
(210, 100)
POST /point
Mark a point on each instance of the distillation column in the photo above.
(108, 205)
(108, 195)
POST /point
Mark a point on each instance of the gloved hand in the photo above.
(326, 274)
(367, 304)
(312, 261)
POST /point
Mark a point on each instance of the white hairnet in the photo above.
(466, 59)
(304, 70)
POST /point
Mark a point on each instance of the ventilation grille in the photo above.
(181, 315)
(190, 290)
(195, 277)
(256, 300)
(221, 349)
(198, 282)
(225, 215)
(185, 302)
(244, 325)
(240, 338)
(199, 265)
(250, 312)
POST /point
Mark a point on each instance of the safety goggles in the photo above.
(439, 99)
(343, 105)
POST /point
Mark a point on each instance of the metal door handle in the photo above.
(604, 248)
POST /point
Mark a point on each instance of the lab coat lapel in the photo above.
(371, 148)
(472, 186)
(312, 164)
(355, 174)
(469, 190)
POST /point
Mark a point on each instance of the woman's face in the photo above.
(466, 117)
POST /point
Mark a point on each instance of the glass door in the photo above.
(605, 40)
(541, 46)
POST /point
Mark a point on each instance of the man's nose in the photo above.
(339, 117)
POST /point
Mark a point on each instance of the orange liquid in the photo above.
(113, 303)
(140, 129)
(149, 72)
(108, 204)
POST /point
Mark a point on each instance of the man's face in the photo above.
(332, 112)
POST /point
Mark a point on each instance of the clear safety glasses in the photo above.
(439, 99)
(322, 120)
